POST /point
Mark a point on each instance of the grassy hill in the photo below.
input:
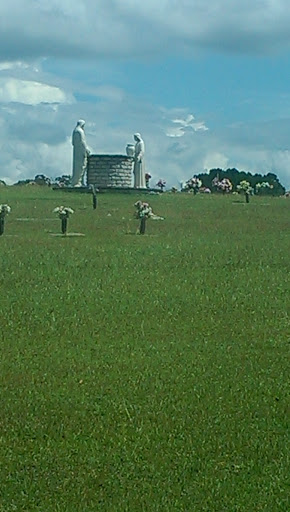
(144, 372)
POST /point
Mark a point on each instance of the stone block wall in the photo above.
(110, 171)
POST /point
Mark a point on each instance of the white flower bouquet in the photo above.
(246, 188)
(193, 184)
(144, 212)
(4, 210)
(63, 212)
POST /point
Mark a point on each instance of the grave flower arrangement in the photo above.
(63, 213)
(161, 184)
(245, 187)
(143, 212)
(262, 187)
(194, 184)
(225, 186)
(147, 179)
(4, 210)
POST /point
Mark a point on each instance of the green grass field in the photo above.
(144, 373)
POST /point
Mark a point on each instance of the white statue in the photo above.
(139, 167)
(80, 154)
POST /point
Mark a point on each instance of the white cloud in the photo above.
(20, 162)
(185, 125)
(175, 132)
(13, 65)
(114, 28)
(184, 122)
(110, 93)
(214, 159)
(30, 93)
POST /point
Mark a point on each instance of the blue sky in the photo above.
(206, 85)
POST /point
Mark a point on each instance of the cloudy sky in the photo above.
(207, 84)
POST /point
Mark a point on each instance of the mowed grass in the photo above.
(144, 373)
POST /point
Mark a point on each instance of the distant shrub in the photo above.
(25, 182)
(63, 181)
(41, 179)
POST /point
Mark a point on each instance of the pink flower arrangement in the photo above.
(161, 184)
(224, 185)
(147, 179)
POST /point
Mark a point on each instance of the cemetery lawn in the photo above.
(144, 373)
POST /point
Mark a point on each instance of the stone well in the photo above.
(110, 171)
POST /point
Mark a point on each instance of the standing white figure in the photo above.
(80, 154)
(139, 167)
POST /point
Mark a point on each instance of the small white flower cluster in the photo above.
(4, 209)
(263, 184)
(244, 186)
(63, 211)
